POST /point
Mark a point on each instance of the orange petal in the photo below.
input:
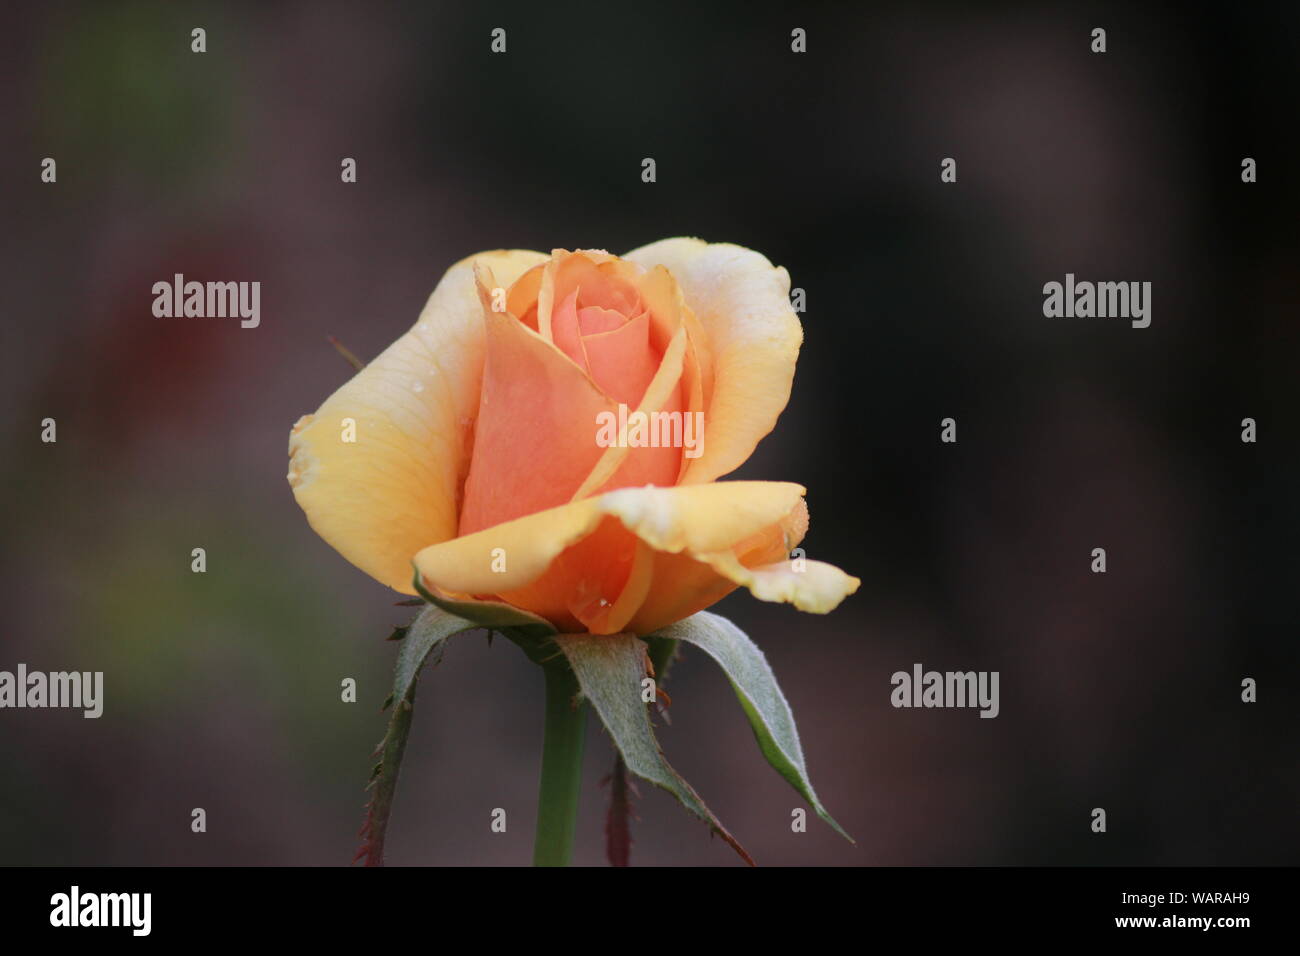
(565, 332)
(623, 465)
(563, 273)
(593, 320)
(535, 436)
(664, 300)
(521, 296)
(621, 362)
(616, 292)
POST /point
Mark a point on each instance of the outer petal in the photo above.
(815, 586)
(668, 553)
(742, 302)
(394, 491)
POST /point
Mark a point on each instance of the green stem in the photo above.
(562, 742)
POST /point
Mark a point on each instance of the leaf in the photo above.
(610, 668)
(490, 614)
(755, 686)
(431, 627)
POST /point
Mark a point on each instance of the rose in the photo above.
(474, 450)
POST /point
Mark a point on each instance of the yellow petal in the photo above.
(393, 491)
(742, 302)
(703, 518)
(697, 536)
(812, 586)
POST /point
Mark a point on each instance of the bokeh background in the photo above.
(923, 301)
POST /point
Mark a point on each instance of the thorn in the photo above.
(347, 354)
(399, 633)
(410, 602)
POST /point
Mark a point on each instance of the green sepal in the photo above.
(431, 627)
(610, 669)
(755, 685)
(490, 614)
(427, 633)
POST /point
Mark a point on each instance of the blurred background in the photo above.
(924, 301)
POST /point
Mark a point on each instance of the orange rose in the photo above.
(481, 440)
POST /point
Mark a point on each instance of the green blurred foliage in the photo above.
(120, 87)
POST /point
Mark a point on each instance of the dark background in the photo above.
(924, 301)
